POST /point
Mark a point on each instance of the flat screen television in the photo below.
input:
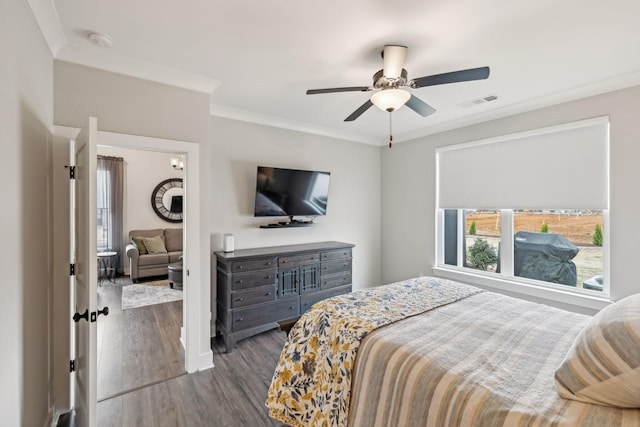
(291, 192)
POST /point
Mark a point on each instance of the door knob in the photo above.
(78, 316)
(104, 311)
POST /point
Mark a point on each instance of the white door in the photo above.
(86, 274)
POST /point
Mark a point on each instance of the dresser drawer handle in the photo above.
(269, 263)
(240, 299)
(239, 281)
(240, 267)
(240, 320)
(267, 294)
(292, 307)
(284, 261)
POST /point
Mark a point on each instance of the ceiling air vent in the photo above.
(478, 101)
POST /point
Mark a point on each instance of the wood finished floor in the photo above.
(138, 346)
(230, 394)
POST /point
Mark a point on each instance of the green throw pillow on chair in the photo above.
(138, 241)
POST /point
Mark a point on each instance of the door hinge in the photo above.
(72, 365)
(72, 172)
(72, 269)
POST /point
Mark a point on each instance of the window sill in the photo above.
(573, 301)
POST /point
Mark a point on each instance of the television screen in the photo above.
(291, 192)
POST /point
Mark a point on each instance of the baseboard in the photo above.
(205, 361)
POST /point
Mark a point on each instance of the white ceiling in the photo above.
(257, 58)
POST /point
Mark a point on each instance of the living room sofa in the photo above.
(154, 264)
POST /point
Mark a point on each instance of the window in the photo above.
(528, 208)
(103, 198)
(109, 198)
(562, 247)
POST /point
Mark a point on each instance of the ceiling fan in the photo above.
(389, 84)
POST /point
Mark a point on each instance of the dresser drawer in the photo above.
(253, 279)
(293, 260)
(333, 255)
(245, 318)
(253, 296)
(253, 264)
(334, 280)
(332, 267)
(306, 301)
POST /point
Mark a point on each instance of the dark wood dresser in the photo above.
(258, 287)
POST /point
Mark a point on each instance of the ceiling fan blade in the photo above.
(419, 106)
(393, 57)
(339, 89)
(364, 107)
(452, 77)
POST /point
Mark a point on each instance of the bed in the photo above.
(433, 352)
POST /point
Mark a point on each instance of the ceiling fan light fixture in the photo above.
(393, 57)
(390, 99)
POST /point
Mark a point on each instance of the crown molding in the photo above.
(47, 19)
(278, 122)
(104, 60)
(580, 92)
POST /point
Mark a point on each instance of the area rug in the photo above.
(143, 294)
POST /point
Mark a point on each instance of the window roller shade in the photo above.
(560, 167)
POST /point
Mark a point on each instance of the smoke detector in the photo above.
(100, 40)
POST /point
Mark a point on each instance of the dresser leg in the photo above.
(229, 343)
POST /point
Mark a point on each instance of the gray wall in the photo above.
(353, 213)
(131, 106)
(26, 117)
(408, 191)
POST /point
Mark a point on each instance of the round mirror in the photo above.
(167, 199)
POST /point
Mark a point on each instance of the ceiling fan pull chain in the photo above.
(390, 133)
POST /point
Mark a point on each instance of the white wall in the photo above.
(26, 118)
(353, 213)
(408, 190)
(143, 170)
(132, 106)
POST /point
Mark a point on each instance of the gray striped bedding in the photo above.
(486, 360)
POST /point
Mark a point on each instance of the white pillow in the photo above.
(603, 364)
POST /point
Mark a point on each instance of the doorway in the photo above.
(194, 334)
(138, 343)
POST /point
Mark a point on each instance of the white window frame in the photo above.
(505, 281)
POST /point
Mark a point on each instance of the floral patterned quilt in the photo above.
(311, 385)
